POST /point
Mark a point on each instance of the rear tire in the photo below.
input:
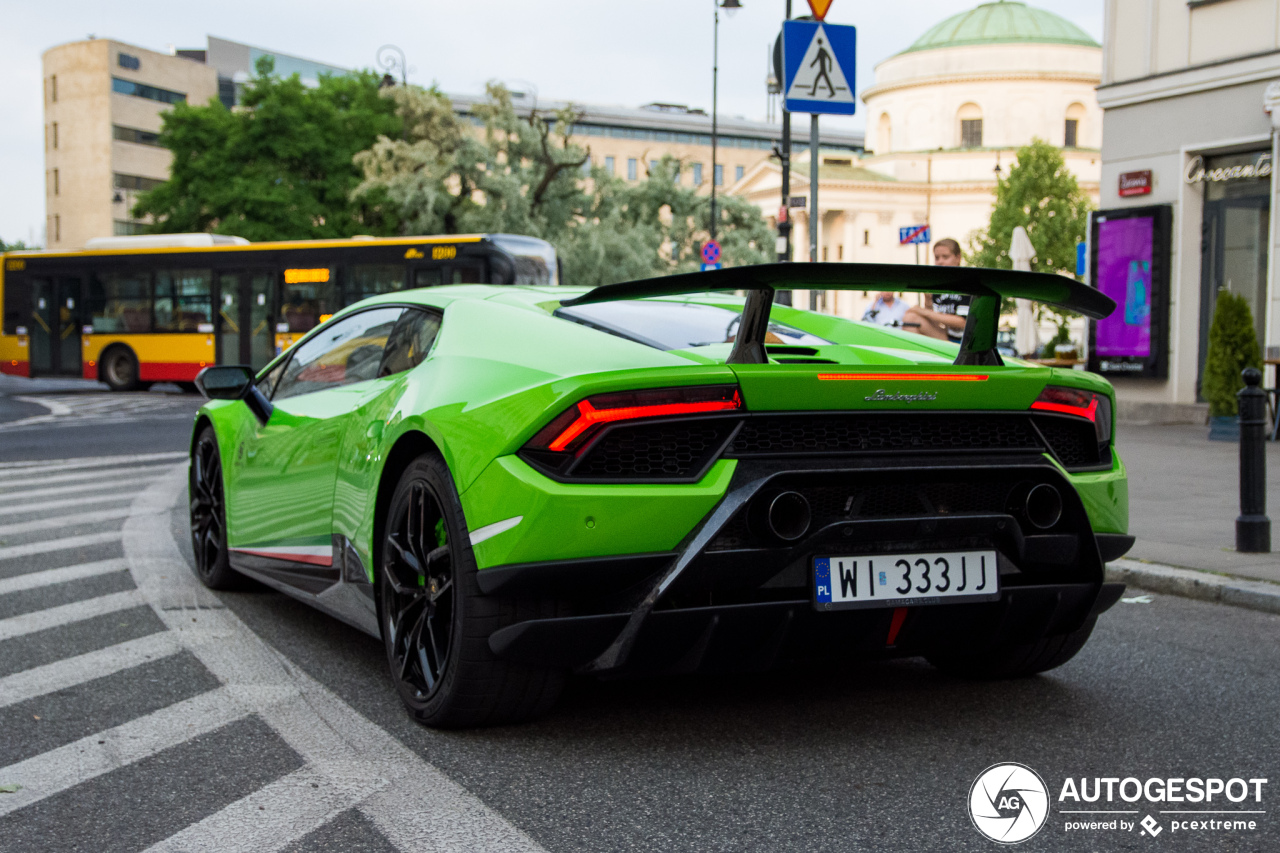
(118, 367)
(1015, 660)
(209, 516)
(436, 623)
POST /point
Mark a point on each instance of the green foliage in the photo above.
(1042, 196)
(14, 247)
(523, 175)
(279, 165)
(1233, 346)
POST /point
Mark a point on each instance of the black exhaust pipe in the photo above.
(787, 516)
(1043, 506)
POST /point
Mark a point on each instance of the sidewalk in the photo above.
(1184, 499)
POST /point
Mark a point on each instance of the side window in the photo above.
(267, 384)
(410, 341)
(348, 351)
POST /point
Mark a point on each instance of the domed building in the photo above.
(944, 119)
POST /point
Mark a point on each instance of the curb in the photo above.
(1189, 583)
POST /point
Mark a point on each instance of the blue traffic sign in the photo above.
(706, 267)
(914, 234)
(1082, 257)
(818, 62)
(711, 252)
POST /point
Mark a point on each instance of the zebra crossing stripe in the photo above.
(10, 469)
(55, 771)
(113, 485)
(47, 545)
(77, 611)
(46, 479)
(49, 577)
(64, 521)
(41, 506)
(427, 811)
(310, 798)
(69, 672)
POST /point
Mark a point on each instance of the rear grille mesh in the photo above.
(861, 433)
(667, 451)
(1074, 441)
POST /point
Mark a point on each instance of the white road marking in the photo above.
(49, 577)
(69, 672)
(114, 485)
(41, 506)
(429, 811)
(77, 611)
(276, 815)
(47, 545)
(51, 772)
(64, 521)
(101, 474)
(55, 407)
(10, 469)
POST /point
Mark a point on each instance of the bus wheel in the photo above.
(118, 367)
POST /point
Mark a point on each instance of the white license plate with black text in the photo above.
(900, 580)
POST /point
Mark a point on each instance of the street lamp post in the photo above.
(392, 59)
(729, 6)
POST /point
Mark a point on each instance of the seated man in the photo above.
(887, 310)
(944, 315)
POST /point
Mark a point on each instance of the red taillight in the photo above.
(576, 424)
(1095, 408)
(893, 377)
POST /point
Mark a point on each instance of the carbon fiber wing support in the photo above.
(986, 286)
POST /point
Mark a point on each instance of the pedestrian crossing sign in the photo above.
(819, 61)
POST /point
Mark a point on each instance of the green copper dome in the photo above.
(1002, 22)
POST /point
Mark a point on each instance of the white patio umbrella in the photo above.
(1021, 252)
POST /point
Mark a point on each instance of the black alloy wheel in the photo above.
(418, 593)
(209, 515)
(436, 622)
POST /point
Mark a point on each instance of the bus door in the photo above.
(57, 316)
(245, 334)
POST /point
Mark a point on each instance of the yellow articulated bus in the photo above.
(131, 311)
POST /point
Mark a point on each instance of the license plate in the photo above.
(900, 580)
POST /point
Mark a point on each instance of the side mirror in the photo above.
(234, 382)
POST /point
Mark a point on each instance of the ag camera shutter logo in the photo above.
(1008, 803)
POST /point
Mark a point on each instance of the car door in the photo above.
(282, 507)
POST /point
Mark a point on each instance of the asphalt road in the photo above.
(139, 711)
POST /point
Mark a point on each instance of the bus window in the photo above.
(182, 300)
(364, 280)
(466, 272)
(120, 301)
(431, 277)
(308, 296)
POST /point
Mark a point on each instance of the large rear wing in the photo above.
(986, 286)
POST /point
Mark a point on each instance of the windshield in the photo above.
(676, 325)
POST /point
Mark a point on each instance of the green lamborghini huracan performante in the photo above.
(509, 484)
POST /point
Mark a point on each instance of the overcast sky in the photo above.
(591, 51)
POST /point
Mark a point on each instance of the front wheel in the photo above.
(1015, 660)
(435, 621)
(209, 515)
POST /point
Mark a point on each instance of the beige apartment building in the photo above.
(102, 104)
(1191, 100)
(104, 101)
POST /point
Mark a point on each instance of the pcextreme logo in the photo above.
(1008, 803)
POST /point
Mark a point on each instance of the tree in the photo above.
(19, 246)
(1233, 346)
(1042, 196)
(279, 165)
(524, 175)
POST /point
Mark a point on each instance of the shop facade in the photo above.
(1189, 146)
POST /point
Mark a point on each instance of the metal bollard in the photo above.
(1253, 528)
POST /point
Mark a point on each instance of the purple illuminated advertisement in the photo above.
(1124, 259)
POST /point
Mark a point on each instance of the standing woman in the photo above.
(943, 315)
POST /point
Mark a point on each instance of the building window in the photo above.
(57, 228)
(697, 174)
(1069, 138)
(586, 168)
(631, 169)
(884, 136)
(719, 174)
(866, 237)
(55, 134)
(136, 182)
(609, 165)
(840, 252)
(738, 172)
(675, 173)
(133, 134)
(125, 228)
(53, 88)
(125, 60)
(151, 93)
(653, 167)
(57, 184)
(970, 116)
(824, 253)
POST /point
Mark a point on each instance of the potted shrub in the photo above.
(1233, 346)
